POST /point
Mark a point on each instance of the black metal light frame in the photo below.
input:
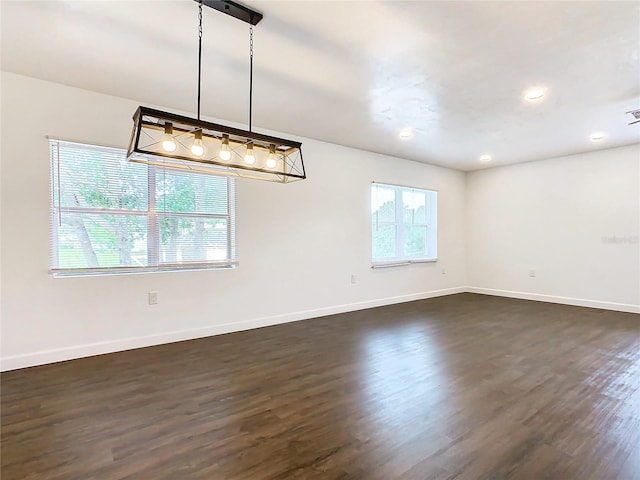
(273, 159)
(146, 147)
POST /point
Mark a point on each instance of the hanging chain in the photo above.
(199, 53)
(250, 74)
(251, 41)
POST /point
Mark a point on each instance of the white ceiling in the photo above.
(356, 73)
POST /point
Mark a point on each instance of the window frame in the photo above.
(430, 223)
(152, 215)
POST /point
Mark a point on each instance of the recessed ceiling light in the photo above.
(595, 137)
(534, 93)
(405, 134)
(485, 158)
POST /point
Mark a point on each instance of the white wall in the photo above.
(298, 243)
(558, 217)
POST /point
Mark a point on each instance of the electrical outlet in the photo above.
(354, 278)
(532, 272)
(444, 271)
(153, 298)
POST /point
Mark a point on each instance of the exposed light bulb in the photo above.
(168, 144)
(225, 153)
(271, 159)
(197, 148)
(271, 163)
(249, 158)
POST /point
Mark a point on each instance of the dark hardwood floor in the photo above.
(460, 387)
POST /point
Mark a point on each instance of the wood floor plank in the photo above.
(464, 387)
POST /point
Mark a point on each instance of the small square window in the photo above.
(403, 224)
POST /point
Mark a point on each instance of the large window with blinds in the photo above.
(403, 225)
(112, 216)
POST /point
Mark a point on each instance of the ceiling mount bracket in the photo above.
(234, 9)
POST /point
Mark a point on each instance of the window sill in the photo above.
(137, 271)
(402, 263)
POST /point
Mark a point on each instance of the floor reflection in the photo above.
(403, 378)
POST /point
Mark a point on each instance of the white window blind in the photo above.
(403, 225)
(109, 215)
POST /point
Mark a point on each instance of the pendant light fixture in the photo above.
(184, 143)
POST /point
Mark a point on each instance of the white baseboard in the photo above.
(578, 302)
(99, 348)
(91, 349)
